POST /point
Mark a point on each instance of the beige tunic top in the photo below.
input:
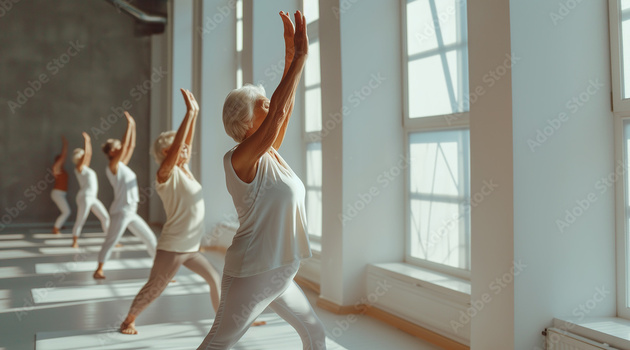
(185, 210)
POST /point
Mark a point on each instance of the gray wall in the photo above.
(76, 94)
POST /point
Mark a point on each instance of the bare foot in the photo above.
(99, 275)
(259, 323)
(128, 328)
(119, 245)
(173, 281)
(55, 230)
(75, 245)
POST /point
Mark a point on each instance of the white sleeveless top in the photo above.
(88, 182)
(125, 186)
(185, 211)
(272, 231)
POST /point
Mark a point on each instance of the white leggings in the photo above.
(244, 298)
(84, 205)
(119, 222)
(59, 197)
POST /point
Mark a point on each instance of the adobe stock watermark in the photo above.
(341, 326)
(41, 294)
(221, 12)
(365, 198)
(488, 81)
(31, 193)
(6, 6)
(488, 187)
(579, 313)
(582, 205)
(344, 6)
(136, 93)
(573, 105)
(53, 66)
(495, 288)
(354, 100)
(443, 17)
(564, 9)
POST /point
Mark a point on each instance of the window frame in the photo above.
(310, 137)
(444, 122)
(621, 115)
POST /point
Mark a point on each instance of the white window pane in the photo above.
(239, 9)
(313, 108)
(434, 167)
(314, 164)
(439, 183)
(239, 77)
(438, 85)
(312, 72)
(437, 233)
(239, 35)
(451, 17)
(420, 27)
(311, 11)
(433, 24)
(314, 188)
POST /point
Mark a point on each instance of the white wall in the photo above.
(218, 34)
(492, 216)
(370, 145)
(557, 62)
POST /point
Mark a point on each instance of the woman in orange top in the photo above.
(58, 193)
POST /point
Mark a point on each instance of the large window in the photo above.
(620, 68)
(437, 137)
(313, 122)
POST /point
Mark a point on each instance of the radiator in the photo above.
(558, 339)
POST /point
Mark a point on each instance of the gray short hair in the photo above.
(77, 155)
(238, 110)
(165, 140)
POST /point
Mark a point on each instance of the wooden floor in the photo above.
(48, 300)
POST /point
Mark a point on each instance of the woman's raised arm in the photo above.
(289, 47)
(248, 152)
(130, 145)
(183, 133)
(87, 152)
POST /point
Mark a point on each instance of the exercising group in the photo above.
(265, 253)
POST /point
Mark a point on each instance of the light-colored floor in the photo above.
(48, 300)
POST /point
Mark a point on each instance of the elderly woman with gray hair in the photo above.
(183, 202)
(269, 198)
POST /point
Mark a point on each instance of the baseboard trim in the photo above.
(307, 284)
(393, 320)
(340, 309)
(415, 330)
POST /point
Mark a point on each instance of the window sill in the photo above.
(613, 331)
(443, 284)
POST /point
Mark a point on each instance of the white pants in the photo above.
(59, 197)
(84, 205)
(243, 299)
(120, 220)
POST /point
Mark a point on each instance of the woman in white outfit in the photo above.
(87, 199)
(126, 197)
(183, 202)
(269, 198)
(59, 192)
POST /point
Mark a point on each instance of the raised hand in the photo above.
(300, 40)
(191, 104)
(86, 136)
(289, 30)
(129, 118)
